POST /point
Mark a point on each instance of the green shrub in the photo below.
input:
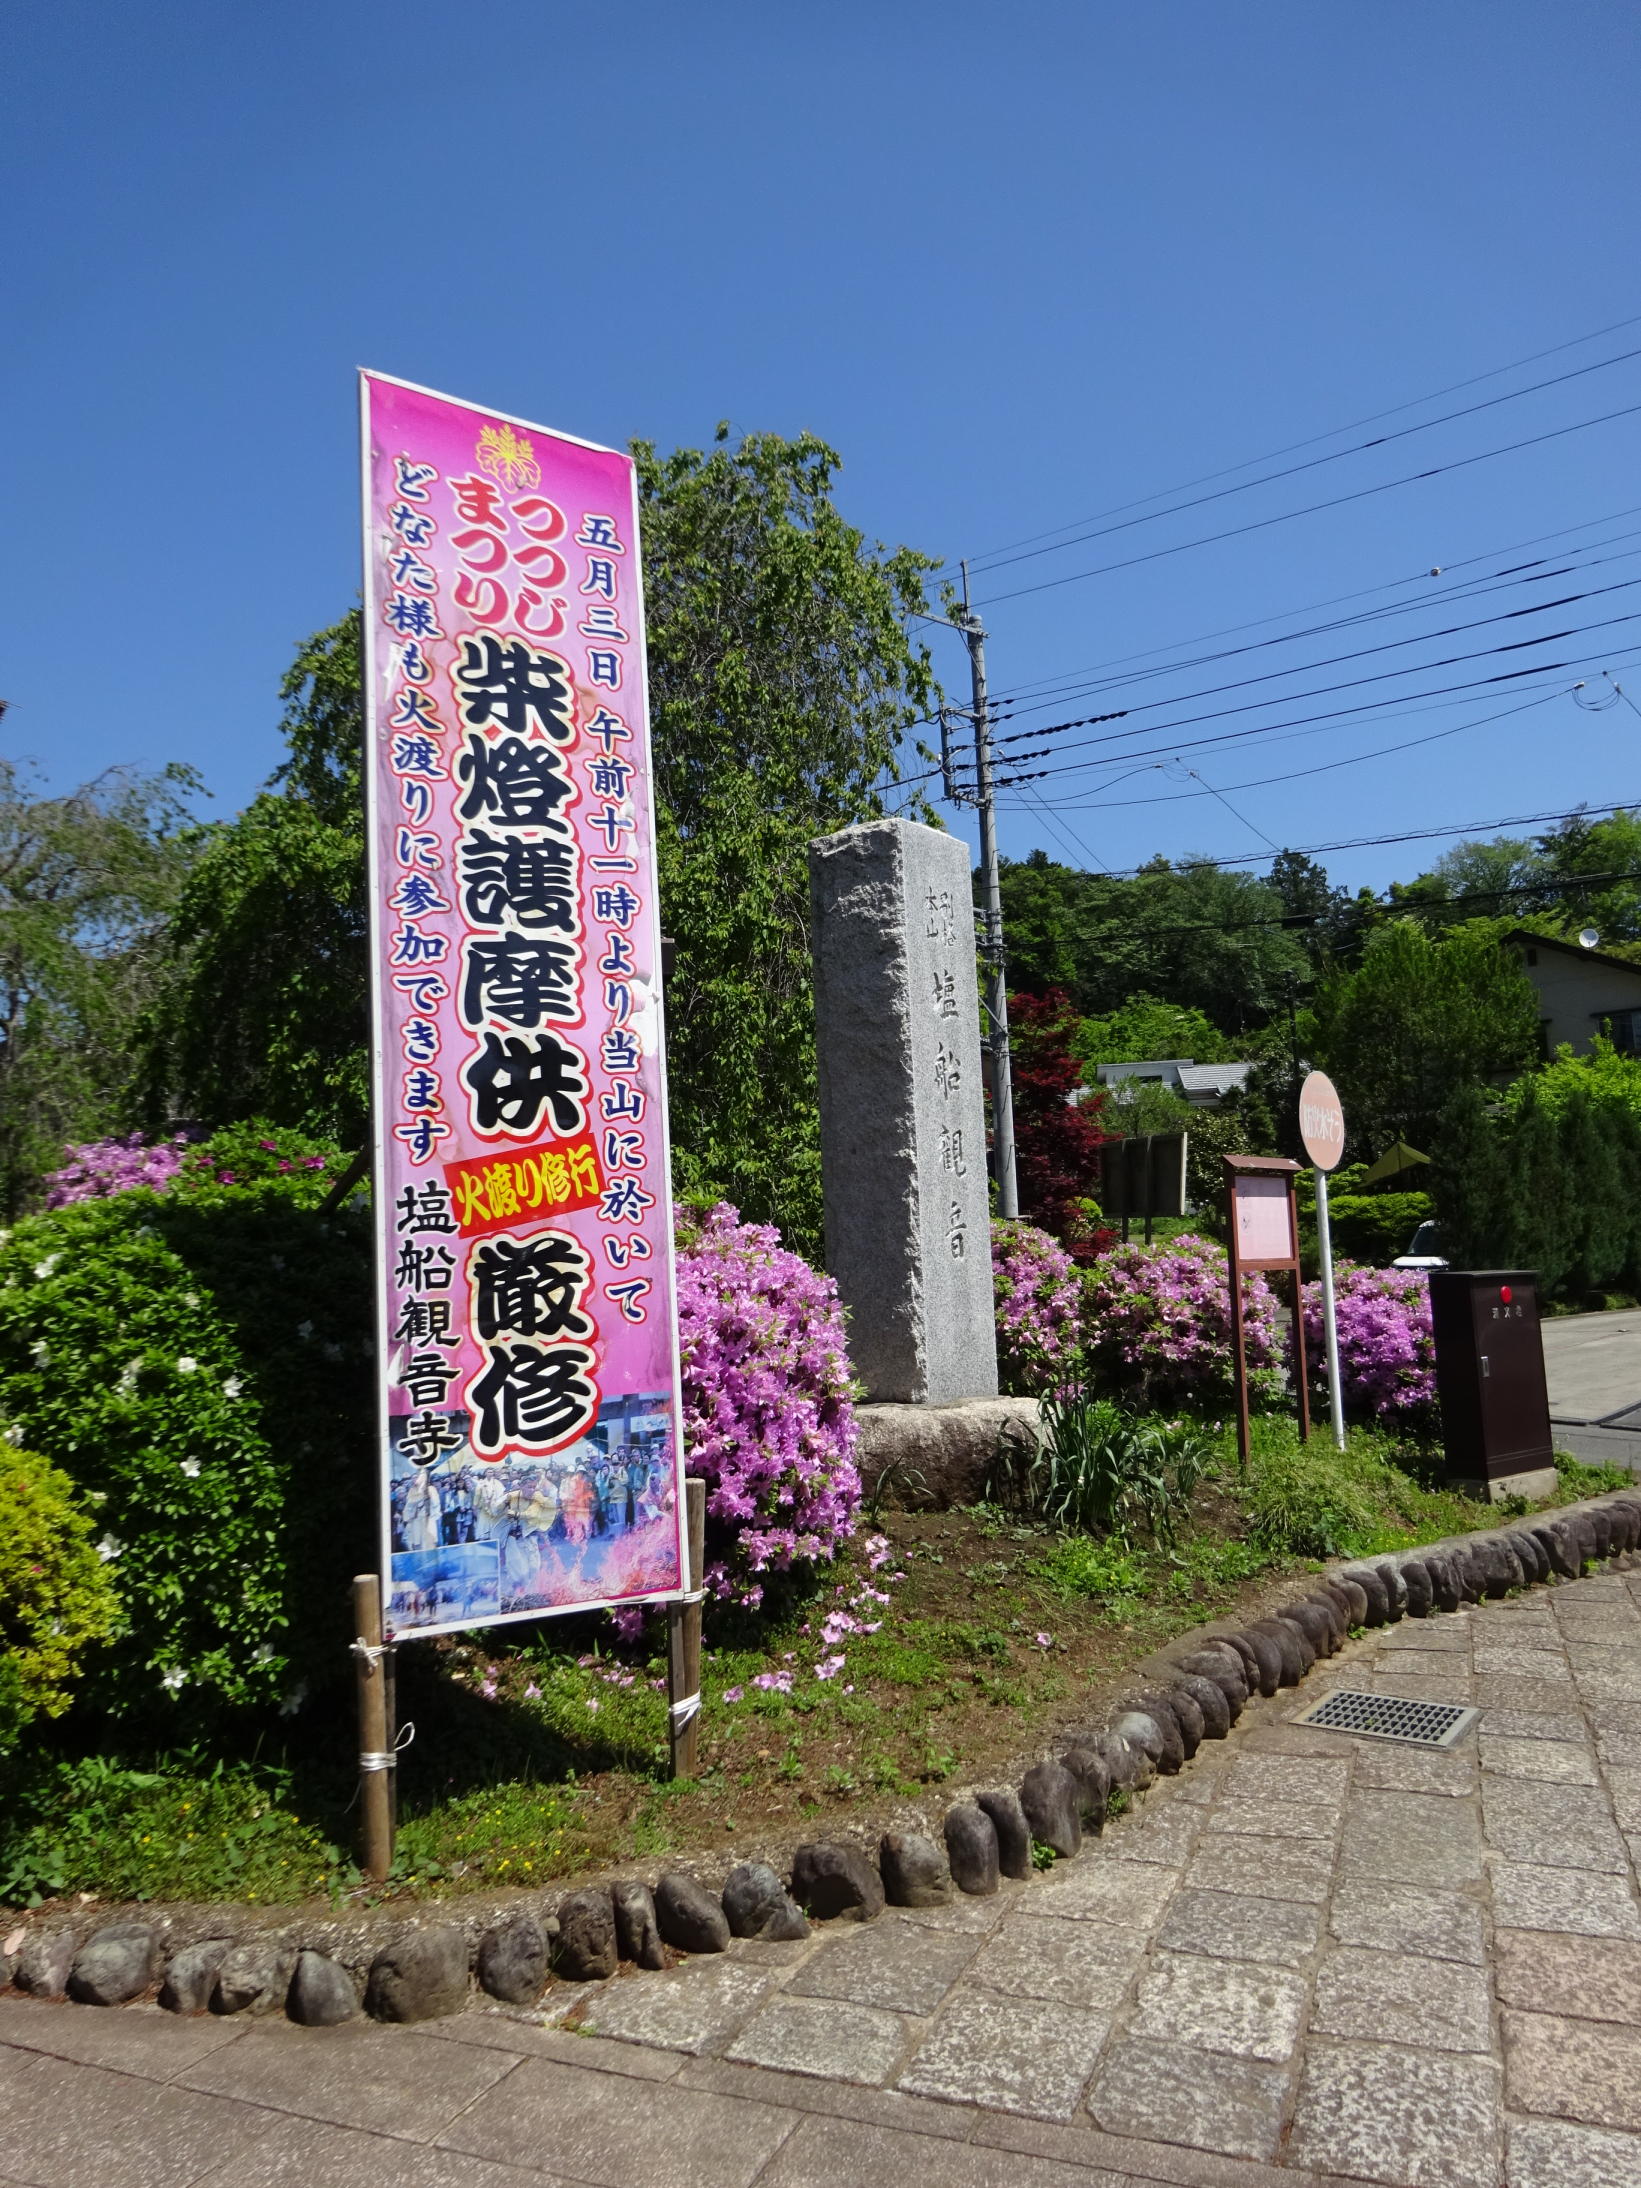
(1311, 1500)
(1375, 1227)
(182, 1832)
(56, 1598)
(199, 1365)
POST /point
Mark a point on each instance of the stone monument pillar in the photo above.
(903, 1134)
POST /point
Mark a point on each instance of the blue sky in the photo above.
(1019, 265)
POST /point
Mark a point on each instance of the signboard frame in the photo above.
(1247, 1182)
(571, 1218)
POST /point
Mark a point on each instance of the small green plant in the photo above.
(1578, 1479)
(896, 1477)
(57, 1601)
(1110, 1571)
(1042, 1857)
(1106, 1471)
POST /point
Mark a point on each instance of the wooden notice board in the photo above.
(1262, 1230)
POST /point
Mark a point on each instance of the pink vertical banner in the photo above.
(527, 1333)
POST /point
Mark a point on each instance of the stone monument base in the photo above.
(941, 1455)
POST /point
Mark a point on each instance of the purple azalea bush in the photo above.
(93, 1169)
(1158, 1323)
(1039, 1310)
(768, 1421)
(1387, 1351)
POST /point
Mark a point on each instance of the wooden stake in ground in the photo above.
(375, 1753)
(684, 1642)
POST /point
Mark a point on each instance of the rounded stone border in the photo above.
(322, 1973)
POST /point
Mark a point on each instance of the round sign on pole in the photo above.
(1321, 1121)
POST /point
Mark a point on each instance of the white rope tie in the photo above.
(386, 1758)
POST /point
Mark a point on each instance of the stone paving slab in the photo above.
(1310, 1959)
(619, 2134)
(308, 2154)
(353, 2076)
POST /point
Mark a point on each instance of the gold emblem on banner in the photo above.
(507, 456)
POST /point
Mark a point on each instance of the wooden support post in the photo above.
(1239, 1342)
(1301, 1369)
(684, 1642)
(375, 1753)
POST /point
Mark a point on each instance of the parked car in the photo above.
(1423, 1250)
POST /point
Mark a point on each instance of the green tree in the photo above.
(1321, 915)
(1145, 1030)
(1195, 935)
(1421, 1016)
(782, 685)
(261, 1011)
(86, 881)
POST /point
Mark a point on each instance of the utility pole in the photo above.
(991, 912)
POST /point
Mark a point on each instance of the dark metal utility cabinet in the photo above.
(1490, 1378)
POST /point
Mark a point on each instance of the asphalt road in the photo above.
(1593, 1362)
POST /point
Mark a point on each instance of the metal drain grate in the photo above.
(1389, 1717)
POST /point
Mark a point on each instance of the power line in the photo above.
(1336, 501)
(1355, 908)
(1312, 463)
(1412, 835)
(1101, 670)
(1326, 767)
(1544, 571)
(1024, 698)
(1354, 683)
(1361, 653)
(1272, 455)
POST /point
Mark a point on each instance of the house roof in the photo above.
(1213, 1078)
(1527, 939)
(1158, 1067)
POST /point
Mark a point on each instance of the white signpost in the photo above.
(1322, 1129)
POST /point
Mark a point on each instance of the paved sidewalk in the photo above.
(1306, 1959)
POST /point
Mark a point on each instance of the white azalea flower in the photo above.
(264, 1654)
(190, 1299)
(189, 1466)
(174, 1679)
(126, 1387)
(233, 1386)
(39, 1352)
(43, 1269)
(14, 1434)
(304, 1329)
(110, 1548)
(187, 1365)
(294, 1699)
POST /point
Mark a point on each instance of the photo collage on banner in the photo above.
(531, 1453)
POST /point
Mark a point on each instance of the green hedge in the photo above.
(200, 1367)
(1375, 1227)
